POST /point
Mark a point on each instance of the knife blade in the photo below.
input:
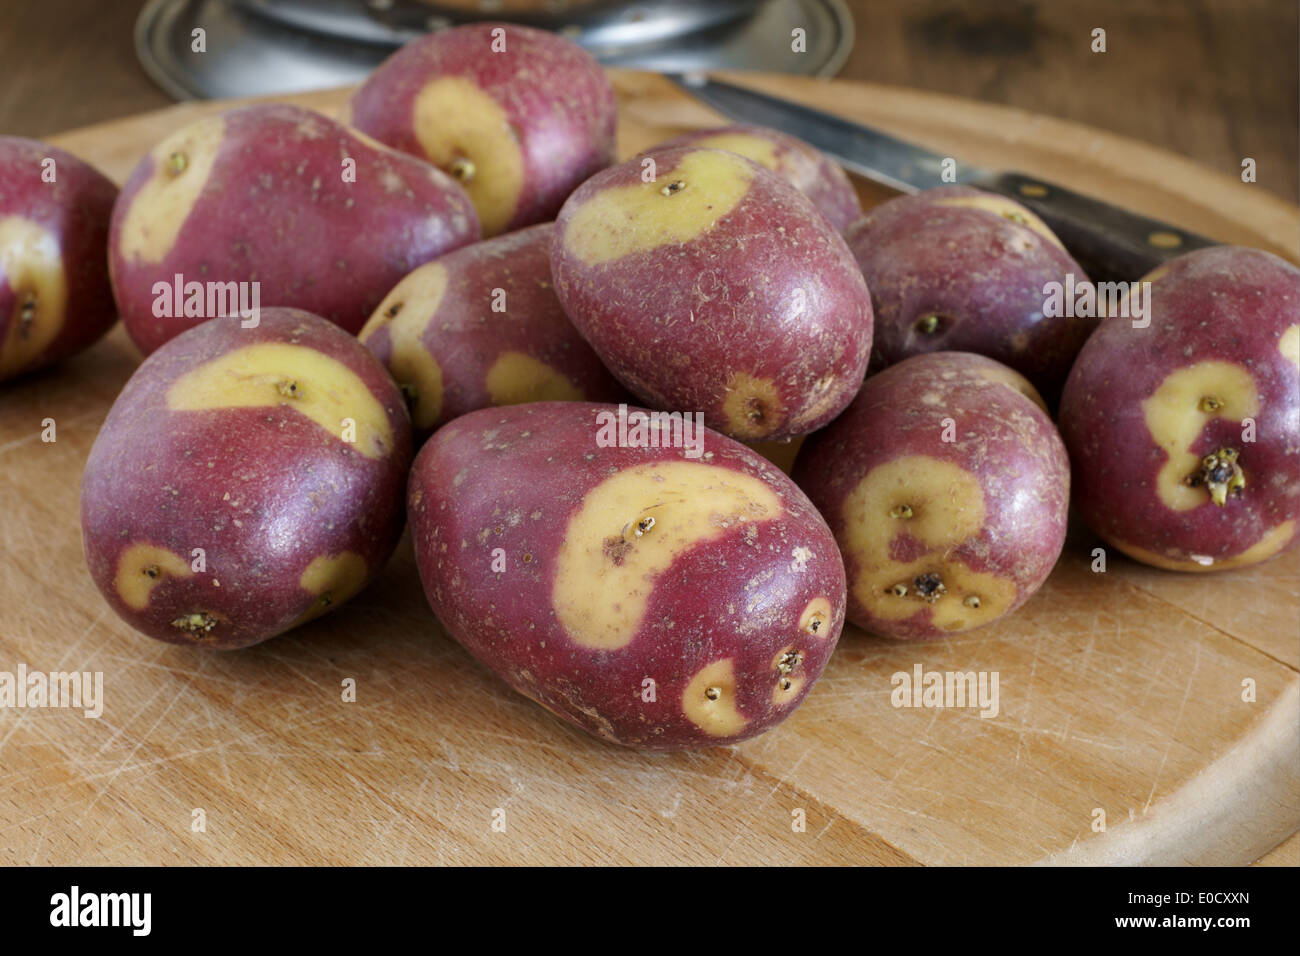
(1111, 243)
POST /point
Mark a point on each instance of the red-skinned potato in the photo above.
(519, 116)
(280, 451)
(814, 174)
(947, 488)
(321, 218)
(481, 326)
(958, 269)
(717, 287)
(658, 597)
(1185, 433)
(55, 298)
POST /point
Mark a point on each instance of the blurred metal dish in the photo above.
(250, 54)
(599, 22)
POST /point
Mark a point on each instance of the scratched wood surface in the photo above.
(1119, 691)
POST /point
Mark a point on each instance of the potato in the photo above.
(245, 481)
(718, 288)
(958, 269)
(947, 489)
(1183, 433)
(519, 116)
(481, 326)
(55, 298)
(310, 213)
(815, 175)
(659, 597)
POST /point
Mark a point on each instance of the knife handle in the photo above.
(1110, 243)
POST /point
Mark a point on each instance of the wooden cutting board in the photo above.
(1120, 692)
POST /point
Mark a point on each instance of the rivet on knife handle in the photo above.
(1109, 242)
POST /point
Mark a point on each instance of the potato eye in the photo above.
(929, 587)
(463, 169)
(789, 661)
(929, 324)
(27, 313)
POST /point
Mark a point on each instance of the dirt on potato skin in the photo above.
(512, 478)
(1001, 438)
(75, 208)
(1224, 304)
(262, 490)
(981, 274)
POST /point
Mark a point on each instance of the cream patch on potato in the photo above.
(1176, 414)
(709, 701)
(515, 378)
(757, 148)
(1289, 345)
(406, 312)
(752, 406)
(896, 590)
(31, 263)
(332, 579)
(937, 502)
(1007, 209)
(629, 530)
(815, 620)
(1012, 378)
(141, 568)
(273, 374)
(940, 505)
(464, 131)
(1269, 544)
(678, 206)
(182, 164)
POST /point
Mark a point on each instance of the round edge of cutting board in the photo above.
(1232, 813)
(1131, 173)
(1243, 803)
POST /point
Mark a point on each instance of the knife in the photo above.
(1111, 244)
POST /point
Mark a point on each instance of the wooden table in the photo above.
(1214, 81)
(1121, 692)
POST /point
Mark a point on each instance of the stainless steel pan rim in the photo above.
(604, 21)
(250, 55)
